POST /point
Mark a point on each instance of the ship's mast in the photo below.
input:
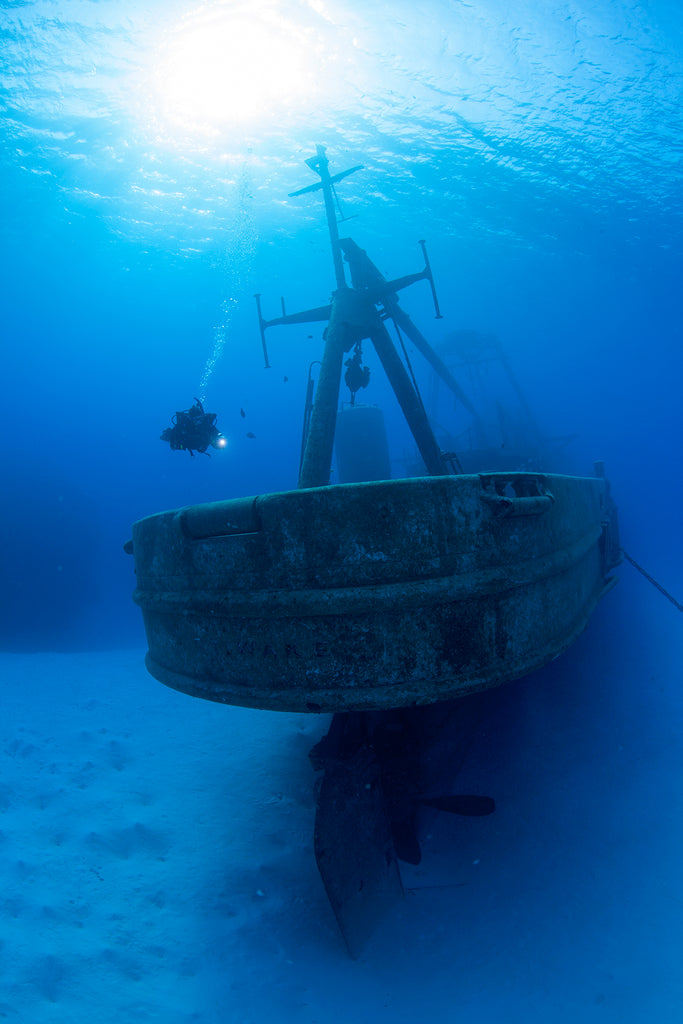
(353, 315)
(320, 164)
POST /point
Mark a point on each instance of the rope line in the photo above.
(410, 366)
(653, 581)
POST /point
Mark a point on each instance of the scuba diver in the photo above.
(194, 430)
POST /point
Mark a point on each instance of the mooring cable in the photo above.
(653, 581)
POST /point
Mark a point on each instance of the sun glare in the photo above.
(228, 65)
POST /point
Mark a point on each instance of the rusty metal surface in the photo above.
(374, 595)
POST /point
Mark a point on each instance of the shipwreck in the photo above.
(397, 605)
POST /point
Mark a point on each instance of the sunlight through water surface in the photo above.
(236, 63)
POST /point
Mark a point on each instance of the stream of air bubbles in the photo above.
(236, 265)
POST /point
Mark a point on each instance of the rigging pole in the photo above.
(353, 316)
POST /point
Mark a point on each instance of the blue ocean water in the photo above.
(148, 152)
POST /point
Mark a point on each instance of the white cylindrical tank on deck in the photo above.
(361, 445)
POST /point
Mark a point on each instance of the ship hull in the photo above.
(372, 596)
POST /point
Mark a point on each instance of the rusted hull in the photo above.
(371, 596)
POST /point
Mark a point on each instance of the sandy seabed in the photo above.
(156, 855)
